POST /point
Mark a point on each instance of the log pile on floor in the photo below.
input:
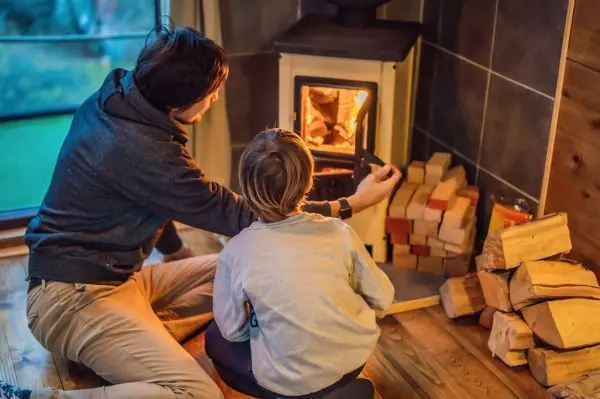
(543, 309)
(431, 219)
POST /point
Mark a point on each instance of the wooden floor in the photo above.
(421, 354)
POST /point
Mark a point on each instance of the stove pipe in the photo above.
(356, 13)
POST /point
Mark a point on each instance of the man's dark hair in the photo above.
(179, 67)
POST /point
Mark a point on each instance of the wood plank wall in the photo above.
(574, 179)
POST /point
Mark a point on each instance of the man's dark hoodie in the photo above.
(123, 172)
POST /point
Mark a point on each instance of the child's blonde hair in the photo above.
(275, 173)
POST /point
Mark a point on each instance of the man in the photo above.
(123, 173)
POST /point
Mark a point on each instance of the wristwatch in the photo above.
(345, 209)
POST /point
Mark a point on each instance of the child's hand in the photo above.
(374, 188)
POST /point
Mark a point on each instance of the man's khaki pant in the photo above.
(129, 335)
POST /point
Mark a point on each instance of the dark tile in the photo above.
(419, 148)
(466, 28)
(528, 41)
(515, 136)
(425, 86)
(490, 188)
(252, 95)
(431, 20)
(458, 100)
(252, 26)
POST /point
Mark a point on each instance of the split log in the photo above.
(435, 243)
(539, 239)
(458, 236)
(433, 215)
(587, 388)
(401, 200)
(401, 250)
(421, 250)
(470, 192)
(417, 239)
(416, 172)
(438, 252)
(457, 266)
(551, 367)
(535, 281)
(426, 228)
(405, 261)
(462, 296)
(430, 264)
(444, 193)
(486, 318)
(565, 323)
(509, 339)
(457, 213)
(436, 167)
(495, 289)
(416, 206)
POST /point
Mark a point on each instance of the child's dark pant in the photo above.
(233, 362)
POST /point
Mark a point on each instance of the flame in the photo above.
(331, 124)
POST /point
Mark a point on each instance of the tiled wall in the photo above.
(249, 29)
(487, 81)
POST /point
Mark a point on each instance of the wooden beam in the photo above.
(414, 304)
(415, 173)
(416, 207)
(401, 200)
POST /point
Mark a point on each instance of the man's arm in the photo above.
(373, 189)
(169, 241)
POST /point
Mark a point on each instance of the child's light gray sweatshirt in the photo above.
(315, 292)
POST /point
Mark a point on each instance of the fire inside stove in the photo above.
(328, 117)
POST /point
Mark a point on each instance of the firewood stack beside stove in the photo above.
(543, 309)
(431, 219)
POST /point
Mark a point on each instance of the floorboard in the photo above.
(421, 354)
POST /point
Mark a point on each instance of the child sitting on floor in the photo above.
(296, 295)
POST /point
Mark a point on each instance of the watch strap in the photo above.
(345, 209)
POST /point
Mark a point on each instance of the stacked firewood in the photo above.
(431, 219)
(543, 309)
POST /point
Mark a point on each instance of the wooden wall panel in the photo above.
(574, 181)
(584, 46)
(574, 184)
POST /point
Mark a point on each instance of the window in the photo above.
(53, 55)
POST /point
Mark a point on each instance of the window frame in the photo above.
(21, 217)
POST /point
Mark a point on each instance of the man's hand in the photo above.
(376, 187)
(182, 253)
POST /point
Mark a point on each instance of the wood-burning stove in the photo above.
(327, 113)
(347, 90)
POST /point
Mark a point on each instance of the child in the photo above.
(296, 295)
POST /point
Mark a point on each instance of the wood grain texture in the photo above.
(34, 366)
(584, 46)
(425, 357)
(574, 184)
(464, 369)
(474, 339)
